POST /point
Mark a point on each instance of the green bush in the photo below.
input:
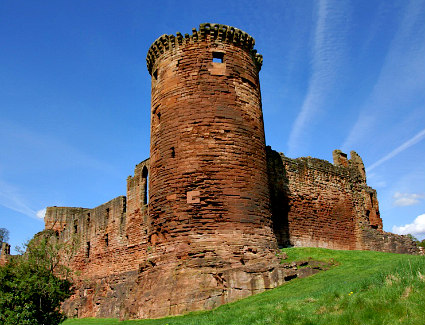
(33, 285)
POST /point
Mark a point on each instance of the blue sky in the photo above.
(75, 94)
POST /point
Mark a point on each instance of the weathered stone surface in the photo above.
(209, 208)
(319, 204)
(219, 203)
(5, 253)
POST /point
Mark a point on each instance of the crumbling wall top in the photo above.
(352, 168)
(4, 253)
(213, 32)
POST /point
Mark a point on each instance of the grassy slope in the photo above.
(365, 288)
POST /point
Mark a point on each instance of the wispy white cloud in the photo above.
(406, 199)
(41, 213)
(328, 52)
(11, 198)
(412, 141)
(401, 78)
(417, 228)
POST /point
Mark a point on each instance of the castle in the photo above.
(204, 216)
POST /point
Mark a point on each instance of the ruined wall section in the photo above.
(57, 218)
(137, 205)
(100, 236)
(319, 204)
(104, 246)
(365, 197)
(4, 253)
(372, 239)
(321, 207)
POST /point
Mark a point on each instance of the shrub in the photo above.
(33, 285)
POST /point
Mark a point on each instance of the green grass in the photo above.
(364, 288)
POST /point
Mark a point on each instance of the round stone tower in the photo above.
(208, 170)
(209, 206)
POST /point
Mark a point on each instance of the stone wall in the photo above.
(104, 247)
(4, 253)
(319, 204)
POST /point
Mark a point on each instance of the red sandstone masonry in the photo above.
(207, 140)
(219, 203)
(315, 203)
(106, 252)
(4, 254)
(209, 206)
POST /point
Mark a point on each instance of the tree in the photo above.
(33, 285)
(4, 235)
(412, 238)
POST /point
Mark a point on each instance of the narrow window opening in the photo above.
(106, 240)
(218, 57)
(145, 189)
(75, 228)
(88, 249)
(173, 152)
(371, 198)
(159, 116)
(107, 213)
(88, 218)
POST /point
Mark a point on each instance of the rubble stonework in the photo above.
(4, 253)
(319, 204)
(204, 215)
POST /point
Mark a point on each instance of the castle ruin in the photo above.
(204, 216)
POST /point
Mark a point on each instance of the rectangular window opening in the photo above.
(218, 57)
(106, 240)
(88, 249)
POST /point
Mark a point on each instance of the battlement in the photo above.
(352, 168)
(216, 33)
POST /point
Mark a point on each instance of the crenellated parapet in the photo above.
(215, 33)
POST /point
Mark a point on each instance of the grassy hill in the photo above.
(363, 288)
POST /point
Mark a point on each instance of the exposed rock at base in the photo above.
(182, 289)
